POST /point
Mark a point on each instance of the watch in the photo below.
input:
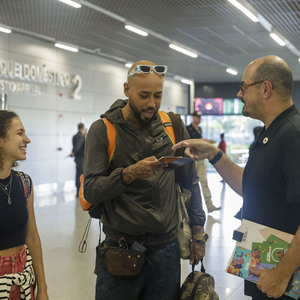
(200, 238)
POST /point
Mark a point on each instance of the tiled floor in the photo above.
(69, 273)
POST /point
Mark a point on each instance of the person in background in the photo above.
(195, 132)
(269, 183)
(78, 142)
(19, 238)
(137, 195)
(222, 146)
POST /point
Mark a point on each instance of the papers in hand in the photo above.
(175, 161)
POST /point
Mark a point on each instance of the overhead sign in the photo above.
(28, 74)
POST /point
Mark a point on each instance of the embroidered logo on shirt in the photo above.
(265, 140)
(167, 124)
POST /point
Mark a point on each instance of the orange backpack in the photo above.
(95, 210)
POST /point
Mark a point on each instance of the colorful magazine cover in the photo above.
(239, 264)
(261, 258)
(261, 247)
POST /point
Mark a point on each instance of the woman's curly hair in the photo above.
(5, 123)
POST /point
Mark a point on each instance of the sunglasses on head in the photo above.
(148, 69)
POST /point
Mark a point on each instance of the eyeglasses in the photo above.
(147, 69)
(244, 86)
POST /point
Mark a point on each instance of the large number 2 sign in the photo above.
(78, 85)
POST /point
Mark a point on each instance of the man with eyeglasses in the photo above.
(137, 194)
(269, 183)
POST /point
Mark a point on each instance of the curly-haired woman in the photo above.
(21, 263)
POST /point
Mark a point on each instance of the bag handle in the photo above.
(194, 291)
(202, 269)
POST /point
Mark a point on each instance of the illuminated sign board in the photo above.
(218, 106)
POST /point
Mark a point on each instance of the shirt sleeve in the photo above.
(97, 178)
(187, 177)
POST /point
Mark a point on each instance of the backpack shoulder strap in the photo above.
(178, 131)
(25, 182)
(111, 136)
(177, 126)
(167, 124)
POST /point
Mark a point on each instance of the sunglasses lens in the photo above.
(159, 69)
(145, 69)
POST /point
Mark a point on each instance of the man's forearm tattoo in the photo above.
(138, 170)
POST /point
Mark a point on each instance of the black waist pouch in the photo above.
(119, 261)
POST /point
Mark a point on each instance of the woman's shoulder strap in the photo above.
(25, 182)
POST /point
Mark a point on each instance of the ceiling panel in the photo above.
(215, 29)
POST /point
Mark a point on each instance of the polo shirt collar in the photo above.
(265, 135)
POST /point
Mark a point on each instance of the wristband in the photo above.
(200, 238)
(217, 157)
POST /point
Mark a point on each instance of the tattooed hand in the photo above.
(145, 168)
(197, 252)
(197, 249)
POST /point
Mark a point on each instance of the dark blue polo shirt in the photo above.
(271, 180)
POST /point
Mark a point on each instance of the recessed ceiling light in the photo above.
(186, 81)
(184, 51)
(277, 39)
(231, 71)
(136, 30)
(71, 3)
(5, 29)
(66, 47)
(128, 64)
(244, 10)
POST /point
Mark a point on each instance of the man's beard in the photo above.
(245, 112)
(137, 114)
